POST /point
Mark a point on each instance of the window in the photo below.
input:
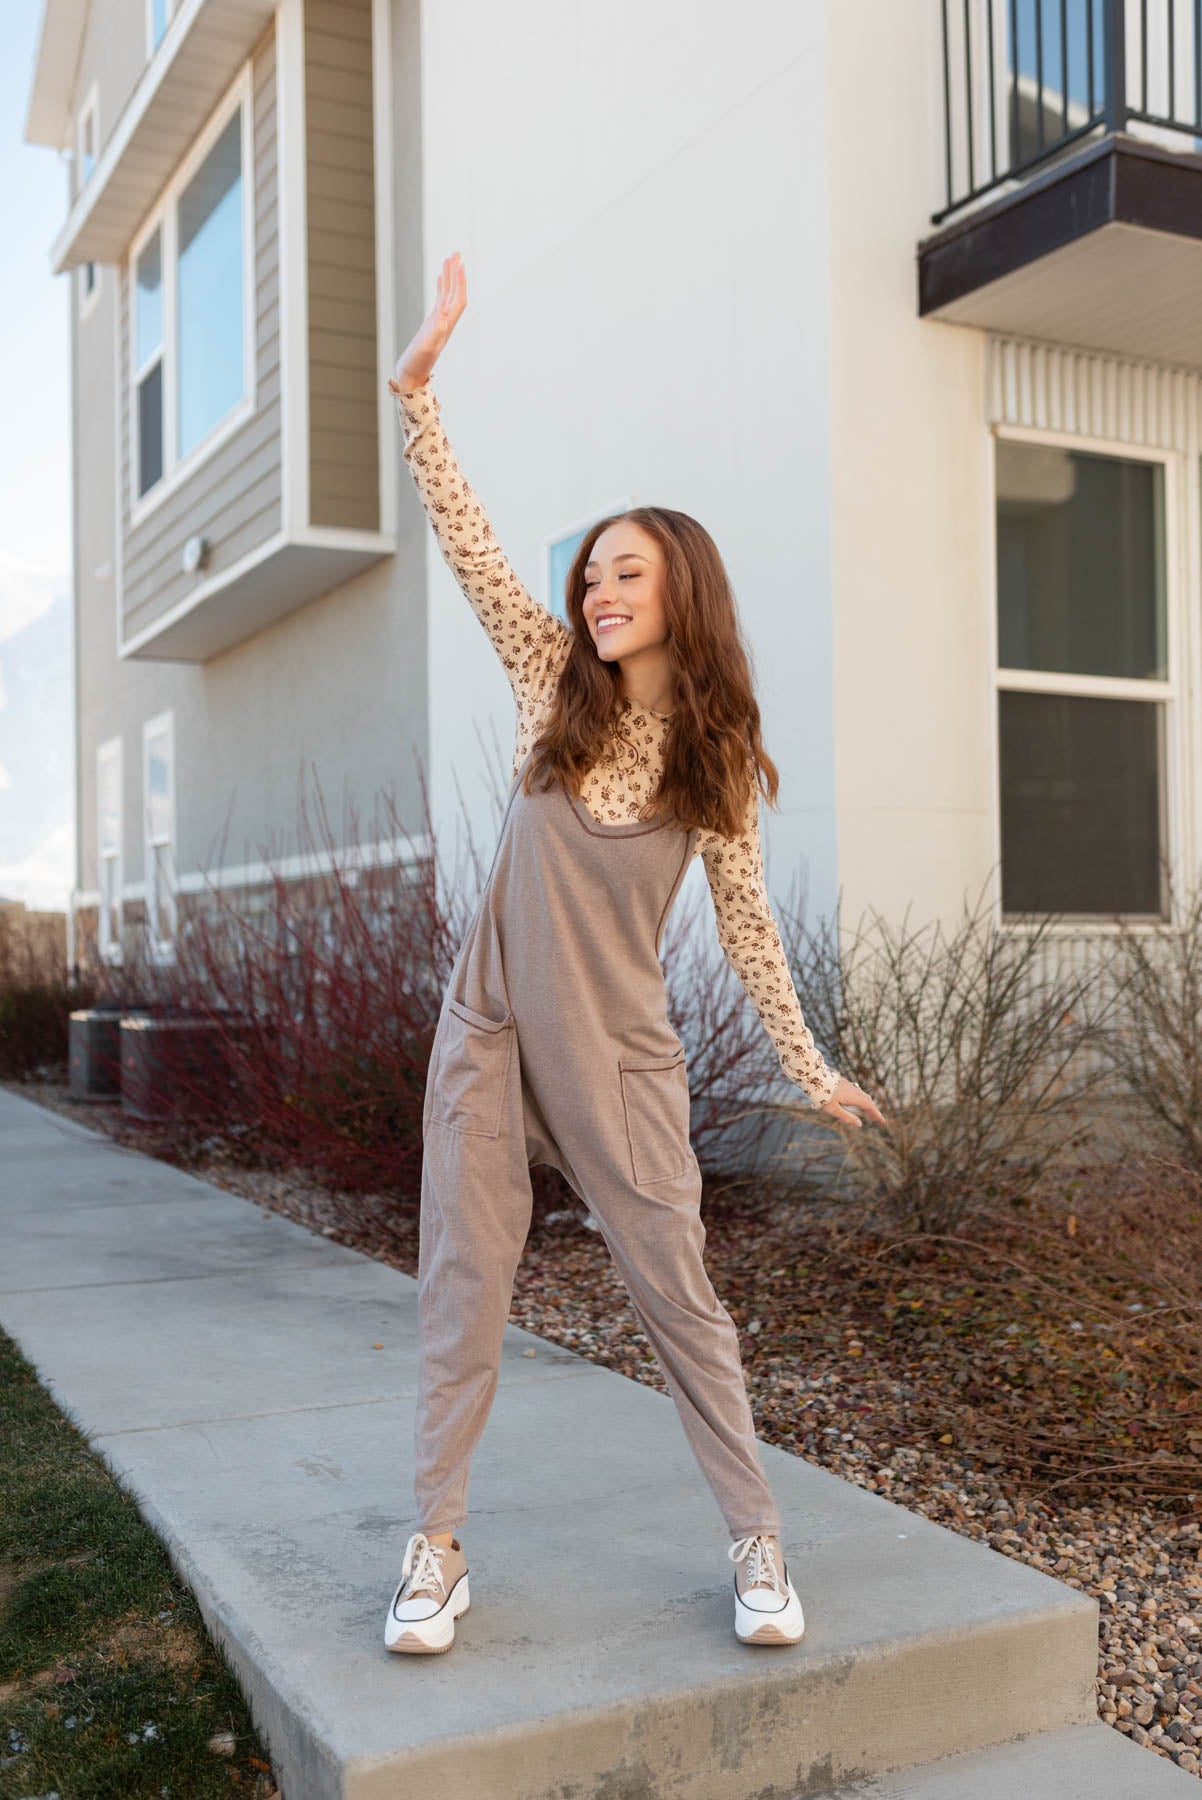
(560, 552)
(209, 290)
(88, 145)
(158, 807)
(189, 280)
(1082, 639)
(89, 287)
(108, 847)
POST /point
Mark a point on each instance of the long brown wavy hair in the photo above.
(713, 752)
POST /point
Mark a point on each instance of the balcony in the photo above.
(1072, 209)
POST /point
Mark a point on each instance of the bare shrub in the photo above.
(968, 1040)
(1153, 1044)
(321, 990)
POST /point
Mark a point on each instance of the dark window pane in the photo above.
(1081, 787)
(150, 428)
(1080, 562)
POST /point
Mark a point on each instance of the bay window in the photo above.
(191, 349)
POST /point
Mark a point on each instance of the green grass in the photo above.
(110, 1688)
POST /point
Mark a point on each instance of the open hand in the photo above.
(424, 348)
(848, 1094)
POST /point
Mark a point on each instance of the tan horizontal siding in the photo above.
(346, 318)
(344, 475)
(359, 513)
(333, 50)
(345, 449)
(214, 492)
(333, 217)
(233, 497)
(361, 385)
(349, 20)
(259, 525)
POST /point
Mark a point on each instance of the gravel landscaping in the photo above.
(941, 1383)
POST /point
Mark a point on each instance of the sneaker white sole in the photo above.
(784, 1625)
(427, 1637)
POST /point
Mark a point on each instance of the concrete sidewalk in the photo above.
(221, 1361)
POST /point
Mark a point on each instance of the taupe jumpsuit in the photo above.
(553, 1046)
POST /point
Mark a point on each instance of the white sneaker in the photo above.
(430, 1596)
(767, 1609)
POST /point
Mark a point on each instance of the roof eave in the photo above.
(48, 116)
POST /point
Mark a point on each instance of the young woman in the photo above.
(638, 747)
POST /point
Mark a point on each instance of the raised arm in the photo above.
(750, 939)
(530, 641)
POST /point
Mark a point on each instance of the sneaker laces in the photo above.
(425, 1560)
(761, 1561)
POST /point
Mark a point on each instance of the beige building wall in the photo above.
(336, 690)
(913, 583)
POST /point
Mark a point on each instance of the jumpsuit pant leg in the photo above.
(476, 1202)
(656, 1235)
(475, 1217)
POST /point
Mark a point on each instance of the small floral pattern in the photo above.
(533, 645)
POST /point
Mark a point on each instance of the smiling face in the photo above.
(623, 592)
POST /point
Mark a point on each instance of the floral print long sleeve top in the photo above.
(532, 644)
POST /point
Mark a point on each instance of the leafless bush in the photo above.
(320, 990)
(969, 1041)
(1153, 1044)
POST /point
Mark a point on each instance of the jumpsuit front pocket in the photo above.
(655, 1100)
(472, 1070)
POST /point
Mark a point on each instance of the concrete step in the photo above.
(222, 1362)
(1082, 1762)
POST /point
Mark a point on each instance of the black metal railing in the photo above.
(1025, 79)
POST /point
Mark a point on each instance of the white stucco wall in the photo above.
(911, 494)
(640, 201)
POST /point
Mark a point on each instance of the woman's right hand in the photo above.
(424, 348)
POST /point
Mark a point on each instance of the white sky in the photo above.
(36, 859)
(35, 510)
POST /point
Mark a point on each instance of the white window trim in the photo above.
(110, 950)
(161, 950)
(151, 46)
(89, 112)
(1170, 694)
(163, 219)
(548, 543)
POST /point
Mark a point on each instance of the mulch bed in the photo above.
(1032, 1383)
